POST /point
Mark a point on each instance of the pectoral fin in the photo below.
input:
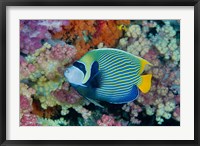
(94, 102)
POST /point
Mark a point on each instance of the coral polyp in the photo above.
(52, 52)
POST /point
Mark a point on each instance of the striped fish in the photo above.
(109, 75)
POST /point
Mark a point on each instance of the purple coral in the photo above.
(33, 32)
(31, 35)
(54, 25)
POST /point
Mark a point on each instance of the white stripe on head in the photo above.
(74, 75)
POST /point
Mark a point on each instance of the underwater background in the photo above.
(48, 47)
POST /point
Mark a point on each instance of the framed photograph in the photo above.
(99, 72)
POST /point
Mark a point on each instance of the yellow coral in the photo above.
(26, 91)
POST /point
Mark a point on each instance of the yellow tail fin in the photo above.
(145, 83)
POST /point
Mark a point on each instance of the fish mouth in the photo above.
(66, 73)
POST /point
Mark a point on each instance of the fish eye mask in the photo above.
(80, 66)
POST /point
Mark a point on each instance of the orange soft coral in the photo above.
(124, 22)
(76, 28)
(108, 32)
(82, 47)
(87, 34)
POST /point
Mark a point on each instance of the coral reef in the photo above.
(29, 120)
(86, 34)
(26, 118)
(134, 110)
(33, 32)
(107, 120)
(49, 122)
(48, 47)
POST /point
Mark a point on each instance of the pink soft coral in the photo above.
(28, 120)
(108, 120)
(26, 68)
(25, 104)
(60, 52)
(70, 97)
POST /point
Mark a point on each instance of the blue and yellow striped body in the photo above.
(113, 75)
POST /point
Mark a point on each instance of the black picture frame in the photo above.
(5, 3)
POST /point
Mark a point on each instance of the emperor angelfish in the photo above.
(109, 75)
